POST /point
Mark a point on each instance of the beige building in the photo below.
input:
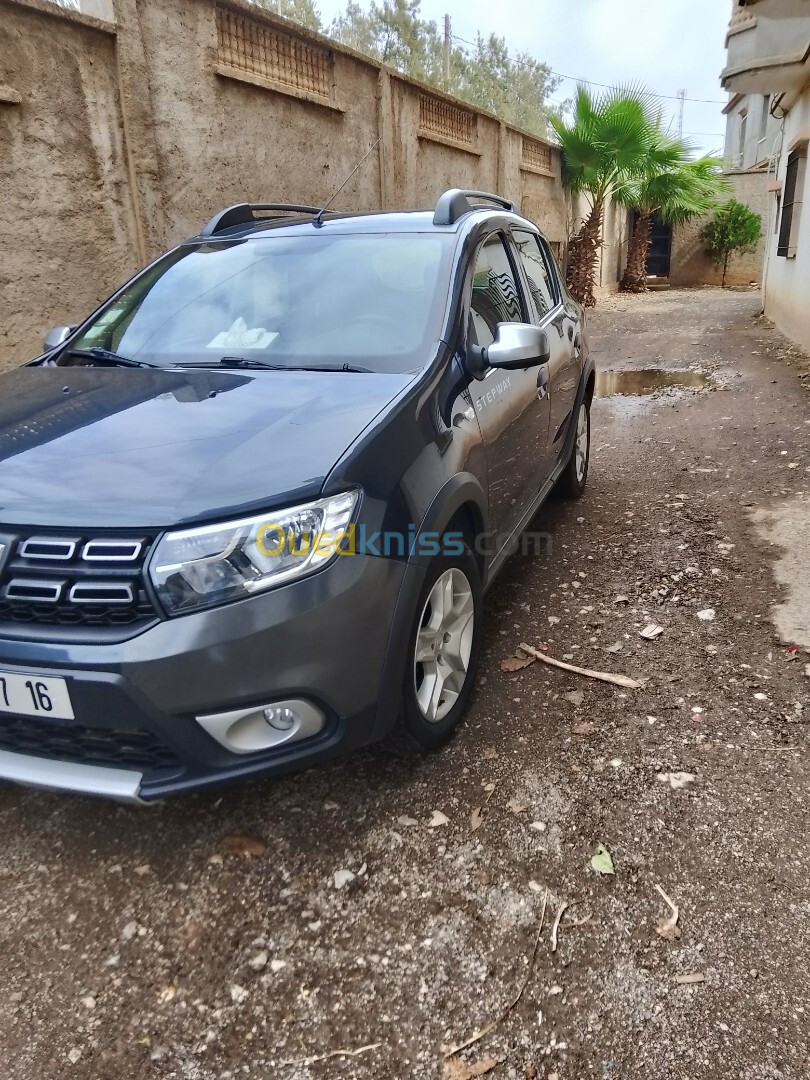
(768, 57)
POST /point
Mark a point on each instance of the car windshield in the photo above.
(373, 301)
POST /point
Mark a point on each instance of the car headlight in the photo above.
(215, 564)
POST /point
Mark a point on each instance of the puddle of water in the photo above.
(647, 381)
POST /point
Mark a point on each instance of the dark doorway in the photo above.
(660, 249)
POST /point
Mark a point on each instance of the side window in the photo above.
(538, 271)
(495, 293)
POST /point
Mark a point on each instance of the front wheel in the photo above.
(442, 650)
(572, 482)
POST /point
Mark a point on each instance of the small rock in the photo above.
(74, 1055)
(277, 965)
(238, 994)
(437, 819)
(129, 931)
(707, 614)
(676, 779)
(89, 1002)
(259, 961)
(344, 878)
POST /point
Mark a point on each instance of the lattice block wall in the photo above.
(440, 118)
(250, 46)
(535, 154)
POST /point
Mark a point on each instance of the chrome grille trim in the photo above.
(112, 550)
(74, 579)
(32, 590)
(104, 593)
(45, 547)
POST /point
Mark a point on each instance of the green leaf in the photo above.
(601, 861)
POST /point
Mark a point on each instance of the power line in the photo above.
(605, 86)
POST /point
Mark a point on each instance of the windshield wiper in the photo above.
(335, 367)
(97, 353)
(250, 362)
(231, 362)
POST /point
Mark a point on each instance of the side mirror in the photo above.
(518, 345)
(56, 337)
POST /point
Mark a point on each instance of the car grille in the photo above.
(131, 749)
(61, 579)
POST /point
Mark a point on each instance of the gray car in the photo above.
(249, 507)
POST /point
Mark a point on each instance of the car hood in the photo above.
(154, 448)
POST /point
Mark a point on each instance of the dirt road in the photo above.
(134, 945)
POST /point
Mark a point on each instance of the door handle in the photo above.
(570, 332)
(542, 382)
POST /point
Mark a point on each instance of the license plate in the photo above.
(31, 695)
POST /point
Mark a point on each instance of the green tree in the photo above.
(611, 139)
(303, 12)
(394, 33)
(735, 228)
(515, 88)
(676, 194)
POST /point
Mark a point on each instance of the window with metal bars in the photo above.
(792, 198)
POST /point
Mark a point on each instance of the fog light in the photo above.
(280, 717)
(262, 727)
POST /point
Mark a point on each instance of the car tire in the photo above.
(571, 484)
(443, 651)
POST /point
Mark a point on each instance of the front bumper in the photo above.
(323, 639)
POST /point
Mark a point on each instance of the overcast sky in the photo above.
(666, 44)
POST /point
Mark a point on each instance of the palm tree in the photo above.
(684, 191)
(613, 138)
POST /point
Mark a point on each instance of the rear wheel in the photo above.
(572, 481)
(443, 650)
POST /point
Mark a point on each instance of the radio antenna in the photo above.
(318, 219)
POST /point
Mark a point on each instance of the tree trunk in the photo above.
(635, 275)
(583, 251)
(725, 267)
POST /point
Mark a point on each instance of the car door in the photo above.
(550, 311)
(512, 406)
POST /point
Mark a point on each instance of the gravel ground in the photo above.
(156, 943)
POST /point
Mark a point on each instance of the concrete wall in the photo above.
(690, 265)
(120, 139)
(67, 230)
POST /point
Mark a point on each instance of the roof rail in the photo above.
(243, 214)
(454, 204)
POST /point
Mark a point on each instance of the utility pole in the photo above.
(681, 100)
(448, 37)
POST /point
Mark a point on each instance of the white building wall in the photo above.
(751, 132)
(786, 281)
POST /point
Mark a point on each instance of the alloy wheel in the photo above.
(443, 645)
(581, 444)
